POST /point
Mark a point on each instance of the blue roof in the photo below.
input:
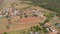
(58, 25)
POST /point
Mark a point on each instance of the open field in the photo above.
(3, 22)
(30, 24)
(24, 23)
(55, 20)
(19, 24)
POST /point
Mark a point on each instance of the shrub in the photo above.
(5, 33)
(36, 28)
(45, 30)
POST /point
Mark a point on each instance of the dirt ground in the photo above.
(27, 23)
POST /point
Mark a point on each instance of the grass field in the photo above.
(55, 20)
(3, 22)
(25, 31)
(19, 32)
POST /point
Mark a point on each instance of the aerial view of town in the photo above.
(29, 16)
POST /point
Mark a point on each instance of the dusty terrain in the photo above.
(20, 23)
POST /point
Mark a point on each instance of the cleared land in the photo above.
(54, 20)
(21, 23)
(18, 26)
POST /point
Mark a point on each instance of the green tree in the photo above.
(36, 28)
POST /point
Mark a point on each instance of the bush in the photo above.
(45, 30)
(47, 20)
(7, 27)
(36, 28)
(20, 16)
(56, 24)
(50, 15)
(5, 33)
(26, 16)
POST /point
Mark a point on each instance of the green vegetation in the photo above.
(36, 28)
(49, 16)
(53, 5)
(24, 31)
(57, 25)
(7, 16)
(27, 31)
(45, 30)
(5, 33)
(47, 20)
(58, 15)
(39, 29)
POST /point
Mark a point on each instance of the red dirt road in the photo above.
(29, 19)
(25, 23)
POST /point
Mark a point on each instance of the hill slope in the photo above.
(52, 5)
